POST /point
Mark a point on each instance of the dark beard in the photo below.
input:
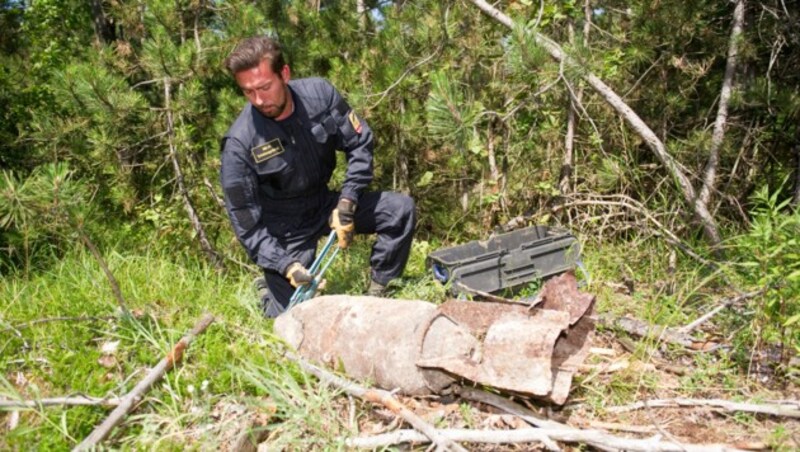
(273, 113)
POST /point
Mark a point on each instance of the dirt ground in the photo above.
(592, 407)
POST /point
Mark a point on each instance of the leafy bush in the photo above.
(769, 259)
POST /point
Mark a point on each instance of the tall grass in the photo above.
(61, 357)
(238, 362)
(235, 359)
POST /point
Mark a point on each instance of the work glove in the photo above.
(298, 275)
(342, 221)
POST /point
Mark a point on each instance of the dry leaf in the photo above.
(109, 348)
(107, 361)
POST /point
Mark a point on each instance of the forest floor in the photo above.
(632, 389)
(611, 372)
(234, 379)
(627, 389)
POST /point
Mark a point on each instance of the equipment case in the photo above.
(506, 261)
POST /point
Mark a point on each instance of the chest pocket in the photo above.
(324, 130)
(272, 166)
(276, 173)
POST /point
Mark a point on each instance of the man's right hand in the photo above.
(341, 221)
(298, 275)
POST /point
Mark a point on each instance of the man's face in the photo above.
(266, 90)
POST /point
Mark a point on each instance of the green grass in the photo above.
(235, 358)
(237, 361)
(167, 295)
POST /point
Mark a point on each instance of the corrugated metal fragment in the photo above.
(419, 348)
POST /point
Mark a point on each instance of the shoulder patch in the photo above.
(354, 121)
(267, 150)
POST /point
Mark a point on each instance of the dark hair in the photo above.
(251, 51)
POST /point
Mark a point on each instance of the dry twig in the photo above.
(495, 298)
(82, 318)
(601, 440)
(726, 303)
(155, 374)
(378, 396)
(80, 400)
(656, 332)
(770, 409)
(528, 435)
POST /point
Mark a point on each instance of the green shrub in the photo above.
(768, 258)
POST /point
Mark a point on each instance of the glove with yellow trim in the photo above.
(298, 275)
(342, 221)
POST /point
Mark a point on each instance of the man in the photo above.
(277, 160)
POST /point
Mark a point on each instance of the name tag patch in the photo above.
(267, 150)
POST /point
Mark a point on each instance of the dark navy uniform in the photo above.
(275, 178)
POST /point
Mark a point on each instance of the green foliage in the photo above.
(469, 118)
(524, 55)
(451, 116)
(61, 357)
(37, 212)
(769, 259)
(306, 413)
(43, 27)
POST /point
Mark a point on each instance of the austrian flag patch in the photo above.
(354, 121)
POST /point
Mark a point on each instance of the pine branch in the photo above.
(634, 121)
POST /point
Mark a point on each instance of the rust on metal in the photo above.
(419, 348)
(561, 294)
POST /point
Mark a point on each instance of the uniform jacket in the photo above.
(275, 174)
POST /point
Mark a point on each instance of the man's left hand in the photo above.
(342, 221)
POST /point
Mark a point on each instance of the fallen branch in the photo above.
(626, 112)
(601, 440)
(61, 401)
(526, 435)
(726, 303)
(656, 332)
(769, 409)
(378, 396)
(253, 433)
(127, 402)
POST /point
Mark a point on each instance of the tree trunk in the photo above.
(211, 253)
(104, 29)
(361, 10)
(564, 185)
(634, 121)
(400, 173)
(568, 163)
(718, 136)
(496, 182)
(112, 281)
